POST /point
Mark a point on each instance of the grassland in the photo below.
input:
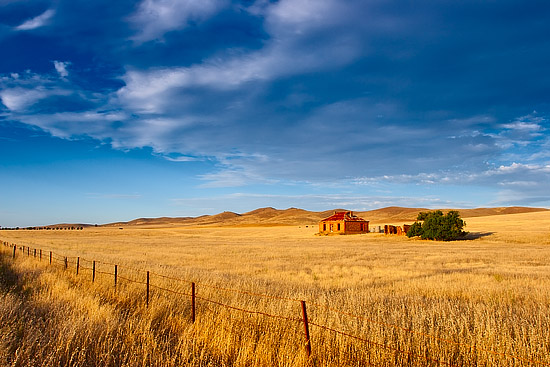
(484, 301)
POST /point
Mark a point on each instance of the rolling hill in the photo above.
(293, 216)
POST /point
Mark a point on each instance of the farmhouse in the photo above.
(343, 223)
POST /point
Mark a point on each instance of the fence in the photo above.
(146, 281)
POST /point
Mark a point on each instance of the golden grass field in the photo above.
(483, 301)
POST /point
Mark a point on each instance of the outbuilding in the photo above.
(343, 223)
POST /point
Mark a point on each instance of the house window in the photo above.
(331, 227)
(324, 227)
(338, 226)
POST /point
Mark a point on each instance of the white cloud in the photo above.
(156, 17)
(68, 125)
(531, 123)
(19, 92)
(61, 68)
(522, 125)
(503, 175)
(36, 22)
(298, 18)
(523, 129)
(150, 90)
(17, 99)
(517, 183)
(288, 52)
(181, 158)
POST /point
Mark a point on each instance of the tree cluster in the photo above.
(438, 226)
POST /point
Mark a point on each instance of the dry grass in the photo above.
(491, 292)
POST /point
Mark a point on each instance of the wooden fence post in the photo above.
(50, 257)
(28, 251)
(40, 258)
(77, 265)
(306, 328)
(116, 272)
(147, 288)
(66, 263)
(93, 272)
(193, 302)
(34, 252)
(14, 248)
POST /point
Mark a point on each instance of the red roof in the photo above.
(346, 216)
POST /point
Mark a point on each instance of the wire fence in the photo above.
(76, 262)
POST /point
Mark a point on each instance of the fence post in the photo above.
(306, 328)
(116, 272)
(77, 264)
(93, 272)
(34, 252)
(147, 288)
(40, 255)
(50, 257)
(28, 251)
(14, 248)
(193, 302)
(66, 263)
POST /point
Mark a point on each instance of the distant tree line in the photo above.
(70, 228)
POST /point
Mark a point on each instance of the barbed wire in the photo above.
(248, 293)
(171, 278)
(226, 289)
(104, 272)
(248, 311)
(170, 290)
(415, 355)
(131, 280)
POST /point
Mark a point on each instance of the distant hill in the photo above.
(293, 216)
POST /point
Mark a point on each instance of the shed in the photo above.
(343, 223)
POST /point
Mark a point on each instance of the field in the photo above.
(484, 301)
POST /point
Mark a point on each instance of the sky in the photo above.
(115, 110)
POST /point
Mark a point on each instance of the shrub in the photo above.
(438, 226)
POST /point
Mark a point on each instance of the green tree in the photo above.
(415, 230)
(437, 226)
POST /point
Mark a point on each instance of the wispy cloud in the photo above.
(514, 172)
(286, 53)
(17, 98)
(21, 91)
(154, 18)
(36, 22)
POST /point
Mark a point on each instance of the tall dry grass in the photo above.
(481, 302)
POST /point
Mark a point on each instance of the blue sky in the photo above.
(117, 110)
